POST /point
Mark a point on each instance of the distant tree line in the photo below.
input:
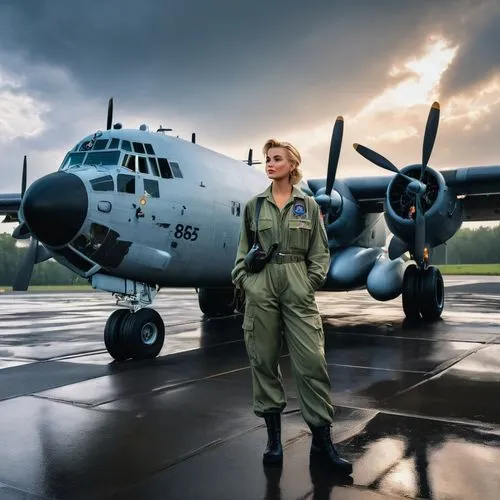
(45, 273)
(468, 246)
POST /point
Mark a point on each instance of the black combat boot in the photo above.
(322, 447)
(274, 450)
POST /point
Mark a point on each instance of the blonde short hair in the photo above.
(293, 157)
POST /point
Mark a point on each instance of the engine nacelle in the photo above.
(345, 222)
(442, 210)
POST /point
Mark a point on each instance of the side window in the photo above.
(165, 171)
(151, 188)
(103, 183)
(126, 183)
(142, 165)
(153, 166)
(176, 169)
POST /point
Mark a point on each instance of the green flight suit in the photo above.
(281, 298)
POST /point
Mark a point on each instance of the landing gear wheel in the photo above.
(411, 295)
(143, 333)
(431, 293)
(216, 301)
(112, 335)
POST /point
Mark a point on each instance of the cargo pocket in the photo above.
(317, 324)
(265, 232)
(299, 234)
(248, 330)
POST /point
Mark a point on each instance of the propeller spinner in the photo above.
(415, 187)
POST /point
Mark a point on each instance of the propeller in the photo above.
(25, 269)
(109, 123)
(415, 186)
(21, 232)
(325, 200)
(36, 253)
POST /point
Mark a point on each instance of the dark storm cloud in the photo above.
(226, 66)
(479, 56)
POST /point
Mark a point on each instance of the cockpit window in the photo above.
(126, 146)
(103, 158)
(151, 188)
(115, 143)
(103, 183)
(126, 183)
(138, 147)
(142, 165)
(149, 149)
(100, 144)
(72, 159)
(129, 162)
(165, 171)
(153, 165)
(176, 169)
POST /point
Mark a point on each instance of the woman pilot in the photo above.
(293, 247)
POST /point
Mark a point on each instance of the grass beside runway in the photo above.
(470, 269)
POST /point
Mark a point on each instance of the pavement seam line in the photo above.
(435, 374)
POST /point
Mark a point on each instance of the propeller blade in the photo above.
(376, 158)
(25, 270)
(21, 232)
(110, 114)
(333, 156)
(430, 136)
(23, 182)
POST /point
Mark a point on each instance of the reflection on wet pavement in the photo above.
(416, 404)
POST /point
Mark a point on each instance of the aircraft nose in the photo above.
(55, 207)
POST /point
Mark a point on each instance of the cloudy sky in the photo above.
(238, 73)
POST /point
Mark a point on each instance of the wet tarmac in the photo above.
(417, 405)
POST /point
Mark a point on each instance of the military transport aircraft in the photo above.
(134, 211)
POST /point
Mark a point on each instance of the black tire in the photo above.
(215, 302)
(431, 294)
(411, 295)
(144, 334)
(113, 340)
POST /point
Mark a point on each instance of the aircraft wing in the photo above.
(479, 187)
(9, 206)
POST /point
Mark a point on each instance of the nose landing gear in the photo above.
(136, 335)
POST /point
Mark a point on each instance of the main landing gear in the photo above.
(136, 332)
(423, 293)
(215, 302)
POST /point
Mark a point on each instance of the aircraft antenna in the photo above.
(162, 130)
(110, 114)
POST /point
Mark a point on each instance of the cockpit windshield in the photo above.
(97, 158)
(103, 158)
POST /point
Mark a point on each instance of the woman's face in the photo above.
(277, 164)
